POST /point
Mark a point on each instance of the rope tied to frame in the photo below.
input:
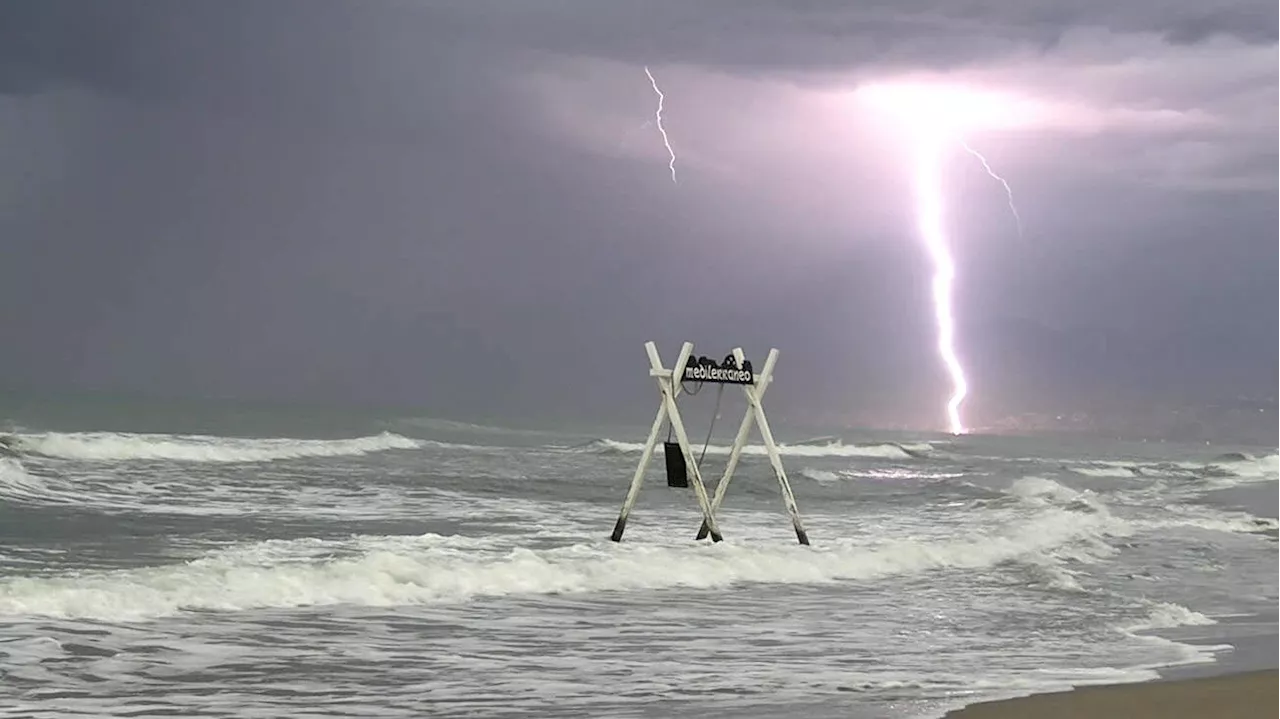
(714, 416)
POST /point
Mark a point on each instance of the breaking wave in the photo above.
(1244, 465)
(1122, 472)
(886, 450)
(826, 476)
(822, 476)
(118, 446)
(1038, 491)
(1232, 466)
(1166, 615)
(443, 570)
(17, 484)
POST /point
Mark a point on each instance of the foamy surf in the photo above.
(885, 450)
(1168, 615)
(1248, 466)
(1226, 470)
(890, 474)
(120, 446)
(18, 484)
(390, 571)
(960, 572)
(1039, 491)
(1120, 472)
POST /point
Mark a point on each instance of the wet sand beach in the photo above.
(1246, 695)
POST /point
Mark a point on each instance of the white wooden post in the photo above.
(669, 387)
(755, 413)
(788, 499)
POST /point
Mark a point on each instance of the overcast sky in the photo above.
(464, 205)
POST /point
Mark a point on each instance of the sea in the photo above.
(240, 562)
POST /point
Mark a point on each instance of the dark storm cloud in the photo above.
(136, 46)
(1252, 22)
(316, 63)
(446, 203)
(769, 35)
(127, 47)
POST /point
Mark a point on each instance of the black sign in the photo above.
(705, 369)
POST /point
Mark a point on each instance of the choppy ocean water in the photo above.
(421, 568)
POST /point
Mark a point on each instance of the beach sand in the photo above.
(1245, 695)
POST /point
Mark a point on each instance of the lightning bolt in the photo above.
(929, 210)
(658, 121)
(1008, 191)
(937, 116)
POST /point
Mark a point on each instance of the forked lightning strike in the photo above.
(936, 118)
(1008, 191)
(929, 216)
(662, 129)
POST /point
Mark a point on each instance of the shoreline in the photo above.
(1240, 695)
(1238, 680)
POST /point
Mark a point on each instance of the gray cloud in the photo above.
(455, 204)
(1251, 22)
(768, 35)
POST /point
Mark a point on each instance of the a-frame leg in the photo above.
(755, 411)
(744, 432)
(669, 386)
(766, 434)
(638, 479)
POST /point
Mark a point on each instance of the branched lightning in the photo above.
(658, 121)
(937, 117)
(1007, 190)
(929, 207)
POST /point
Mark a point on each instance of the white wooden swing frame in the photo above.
(669, 387)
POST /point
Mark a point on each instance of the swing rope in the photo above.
(711, 428)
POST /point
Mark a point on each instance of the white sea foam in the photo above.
(16, 483)
(1121, 472)
(886, 450)
(822, 476)
(1249, 467)
(825, 476)
(1224, 471)
(1038, 491)
(1167, 615)
(116, 446)
(391, 573)
(1042, 491)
